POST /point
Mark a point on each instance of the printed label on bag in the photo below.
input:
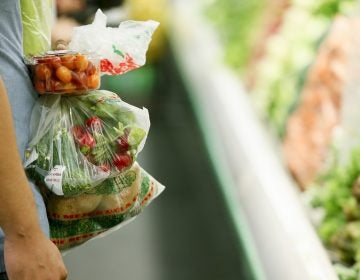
(54, 179)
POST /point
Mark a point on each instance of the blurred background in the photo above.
(254, 132)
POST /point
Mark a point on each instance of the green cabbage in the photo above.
(36, 19)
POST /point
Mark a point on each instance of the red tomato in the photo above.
(94, 123)
(123, 143)
(77, 131)
(122, 161)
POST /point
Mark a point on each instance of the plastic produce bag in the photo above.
(37, 22)
(74, 220)
(121, 49)
(78, 142)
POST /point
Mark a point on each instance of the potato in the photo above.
(77, 205)
(126, 197)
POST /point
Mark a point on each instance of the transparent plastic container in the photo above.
(65, 72)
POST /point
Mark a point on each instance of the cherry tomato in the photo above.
(56, 62)
(69, 87)
(42, 72)
(40, 86)
(49, 84)
(79, 79)
(91, 69)
(68, 61)
(63, 74)
(122, 161)
(81, 62)
(93, 81)
(56, 85)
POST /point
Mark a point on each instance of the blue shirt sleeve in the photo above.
(20, 91)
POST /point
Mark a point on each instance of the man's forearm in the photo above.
(17, 207)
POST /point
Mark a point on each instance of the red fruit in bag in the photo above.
(123, 143)
(87, 140)
(122, 161)
(77, 131)
(94, 123)
(83, 138)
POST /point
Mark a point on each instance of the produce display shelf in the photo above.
(271, 221)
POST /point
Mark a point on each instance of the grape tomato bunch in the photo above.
(93, 142)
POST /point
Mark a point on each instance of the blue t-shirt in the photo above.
(21, 94)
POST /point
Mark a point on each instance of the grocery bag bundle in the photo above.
(85, 141)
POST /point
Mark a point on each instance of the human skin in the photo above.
(29, 254)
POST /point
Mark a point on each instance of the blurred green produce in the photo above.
(238, 23)
(337, 194)
(289, 53)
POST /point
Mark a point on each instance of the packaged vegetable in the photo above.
(37, 22)
(79, 141)
(121, 49)
(75, 220)
(65, 72)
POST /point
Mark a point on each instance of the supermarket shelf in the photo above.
(264, 203)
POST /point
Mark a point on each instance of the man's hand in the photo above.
(32, 257)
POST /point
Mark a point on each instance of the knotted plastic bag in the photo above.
(78, 142)
(121, 49)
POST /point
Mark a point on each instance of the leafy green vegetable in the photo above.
(238, 23)
(136, 136)
(36, 18)
(340, 227)
(281, 74)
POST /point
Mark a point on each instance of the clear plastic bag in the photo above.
(37, 22)
(74, 220)
(78, 142)
(121, 49)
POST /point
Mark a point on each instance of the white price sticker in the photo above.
(54, 179)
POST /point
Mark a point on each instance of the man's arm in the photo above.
(29, 254)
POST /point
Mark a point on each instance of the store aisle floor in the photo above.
(184, 234)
